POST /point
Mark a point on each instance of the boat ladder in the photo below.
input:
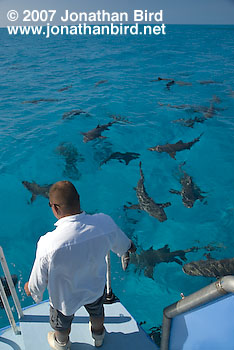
(13, 293)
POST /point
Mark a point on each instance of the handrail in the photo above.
(12, 290)
(108, 276)
(110, 296)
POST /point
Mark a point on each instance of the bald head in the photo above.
(65, 195)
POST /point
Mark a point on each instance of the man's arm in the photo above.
(122, 245)
(37, 283)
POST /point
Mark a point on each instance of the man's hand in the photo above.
(125, 259)
(26, 289)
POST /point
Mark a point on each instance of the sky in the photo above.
(174, 11)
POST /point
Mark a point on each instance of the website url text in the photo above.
(84, 29)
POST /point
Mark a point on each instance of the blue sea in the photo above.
(38, 144)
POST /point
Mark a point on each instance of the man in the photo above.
(70, 262)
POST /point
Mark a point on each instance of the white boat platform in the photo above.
(122, 331)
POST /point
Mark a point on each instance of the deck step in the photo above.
(122, 331)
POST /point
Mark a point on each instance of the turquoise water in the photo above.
(34, 68)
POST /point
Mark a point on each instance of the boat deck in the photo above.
(122, 331)
(208, 326)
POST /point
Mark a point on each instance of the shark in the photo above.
(210, 112)
(69, 152)
(172, 148)
(194, 108)
(207, 82)
(181, 83)
(71, 156)
(43, 100)
(96, 132)
(189, 122)
(146, 203)
(65, 88)
(148, 259)
(210, 268)
(100, 82)
(71, 114)
(121, 157)
(160, 79)
(37, 190)
(190, 192)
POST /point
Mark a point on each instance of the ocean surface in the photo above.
(40, 144)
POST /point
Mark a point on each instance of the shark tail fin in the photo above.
(198, 138)
(141, 172)
(201, 134)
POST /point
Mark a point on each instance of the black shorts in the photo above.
(60, 322)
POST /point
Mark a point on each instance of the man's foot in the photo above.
(54, 344)
(98, 338)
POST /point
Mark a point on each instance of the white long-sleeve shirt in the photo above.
(70, 261)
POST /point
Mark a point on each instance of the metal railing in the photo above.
(108, 276)
(201, 297)
(13, 294)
